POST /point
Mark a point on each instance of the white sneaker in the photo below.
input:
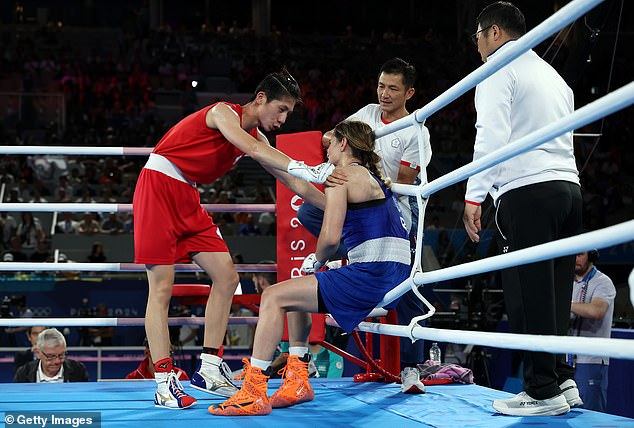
(571, 392)
(213, 376)
(525, 405)
(170, 394)
(410, 381)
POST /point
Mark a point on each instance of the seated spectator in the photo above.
(112, 225)
(64, 190)
(62, 195)
(15, 254)
(30, 230)
(101, 336)
(272, 231)
(264, 280)
(128, 223)
(88, 226)
(53, 364)
(250, 228)
(42, 253)
(68, 274)
(96, 253)
(22, 357)
(224, 227)
(146, 367)
(67, 225)
(9, 226)
(266, 221)
(85, 196)
(37, 198)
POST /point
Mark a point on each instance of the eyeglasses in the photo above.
(474, 36)
(48, 357)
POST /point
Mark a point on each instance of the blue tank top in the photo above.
(378, 259)
(375, 230)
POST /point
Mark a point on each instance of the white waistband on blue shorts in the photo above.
(386, 249)
(163, 165)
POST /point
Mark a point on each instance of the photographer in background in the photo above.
(591, 312)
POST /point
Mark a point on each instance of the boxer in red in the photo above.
(171, 226)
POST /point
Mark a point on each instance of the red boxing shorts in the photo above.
(169, 222)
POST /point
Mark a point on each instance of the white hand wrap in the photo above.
(335, 264)
(311, 264)
(313, 174)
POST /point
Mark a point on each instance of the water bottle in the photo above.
(434, 353)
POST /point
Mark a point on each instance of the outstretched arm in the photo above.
(224, 119)
(306, 190)
(332, 227)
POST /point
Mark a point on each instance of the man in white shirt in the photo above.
(68, 224)
(402, 162)
(592, 308)
(537, 197)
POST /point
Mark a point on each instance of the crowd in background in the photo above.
(111, 97)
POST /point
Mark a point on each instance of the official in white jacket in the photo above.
(537, 198)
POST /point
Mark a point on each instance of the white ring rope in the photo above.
(596, 346)
(83, 150)
(110, 322)
(122, 208)
(616, 348)
(623, 232)
(564, 16)
(601, 238)
(121, 267)
(610, 103)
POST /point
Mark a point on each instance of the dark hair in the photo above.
(402, 67)
(361, 141)
(505, 15)
(271, 277)
(30, 328)
(279, 85)
(593, 256)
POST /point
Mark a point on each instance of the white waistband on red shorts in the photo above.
(163, 165)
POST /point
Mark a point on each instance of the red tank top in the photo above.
(201, 153)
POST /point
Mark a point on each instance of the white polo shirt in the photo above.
(398, 148)
(41, 377)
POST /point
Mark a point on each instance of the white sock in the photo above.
(299, 351)
(261, 364)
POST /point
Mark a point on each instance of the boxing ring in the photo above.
(342, 401)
